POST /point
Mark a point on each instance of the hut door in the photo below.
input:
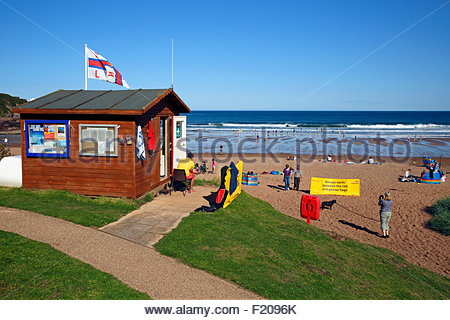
(179, 139)
(164, 135)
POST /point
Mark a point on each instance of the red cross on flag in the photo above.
(100, 68)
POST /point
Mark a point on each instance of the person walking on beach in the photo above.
(287, 177)
(385, 204)
(297, 177)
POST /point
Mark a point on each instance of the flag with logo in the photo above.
(100, 68)
(140, 148)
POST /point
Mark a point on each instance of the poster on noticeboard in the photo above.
(47, 138)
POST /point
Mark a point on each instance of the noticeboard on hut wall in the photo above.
(47, 138)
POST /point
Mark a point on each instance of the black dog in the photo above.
(327, 204)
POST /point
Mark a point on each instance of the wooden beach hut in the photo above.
(84, 141)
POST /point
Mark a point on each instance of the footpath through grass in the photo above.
(33, 270)
(279, 257)
(441, 216)
(68, 206)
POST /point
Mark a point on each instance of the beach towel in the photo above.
(233, 177)
(151, 138)
(140, 148)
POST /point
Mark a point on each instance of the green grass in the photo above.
(203, 182)
(441, 216)
(68, 206)
(32, 270)
(279, 257)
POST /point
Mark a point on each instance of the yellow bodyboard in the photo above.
(231, 197)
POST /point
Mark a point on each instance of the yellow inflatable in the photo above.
(230, 180)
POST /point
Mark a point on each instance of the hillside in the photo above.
(279, 257)
(6, 102)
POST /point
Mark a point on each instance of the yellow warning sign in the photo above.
(343, 187)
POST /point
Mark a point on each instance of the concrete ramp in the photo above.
(149, 223)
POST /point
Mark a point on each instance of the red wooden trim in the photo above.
(172, 144)
(181, 101)
(134, 161)
(155, 101)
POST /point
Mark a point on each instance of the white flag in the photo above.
(100, 68)
(140, 148)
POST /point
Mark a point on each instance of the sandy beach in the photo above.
(358, 217)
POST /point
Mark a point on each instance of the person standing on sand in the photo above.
(213, 165)
(287, 177)
(385, 204)
(297, 177)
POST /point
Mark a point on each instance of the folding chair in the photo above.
(179, 181)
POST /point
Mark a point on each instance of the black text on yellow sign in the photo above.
(343, 187)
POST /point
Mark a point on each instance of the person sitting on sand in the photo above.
(385, 204)
(407, 173)
(189, 167)
(407, 176)
(203, 167)
(329, 158)
(287, 177)
(370, 161)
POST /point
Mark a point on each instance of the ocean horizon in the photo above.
(399, 133)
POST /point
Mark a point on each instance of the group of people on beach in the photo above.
(202, 168)
(384, 201)
(288, 172)
(187, 164)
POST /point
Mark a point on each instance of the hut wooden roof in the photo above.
(126, 102)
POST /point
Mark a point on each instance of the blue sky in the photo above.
(245, 55)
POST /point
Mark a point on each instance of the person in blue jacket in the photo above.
(385, 204)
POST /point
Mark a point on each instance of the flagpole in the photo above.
(85, 67)
(172, 63)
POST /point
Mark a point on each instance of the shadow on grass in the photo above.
(211, 198)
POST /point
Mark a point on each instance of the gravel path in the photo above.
(140, 267)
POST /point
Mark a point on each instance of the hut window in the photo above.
(98, 140)
(47, 138)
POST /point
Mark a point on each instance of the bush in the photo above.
(441, 220)
(4, 152)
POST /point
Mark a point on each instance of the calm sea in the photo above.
(410, 132)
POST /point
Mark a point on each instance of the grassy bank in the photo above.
(203, 182)
(278, 257)
(68, 206)
(441, 216)
(33, 270)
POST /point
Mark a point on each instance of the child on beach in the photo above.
(287, 177)
(213, 165)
